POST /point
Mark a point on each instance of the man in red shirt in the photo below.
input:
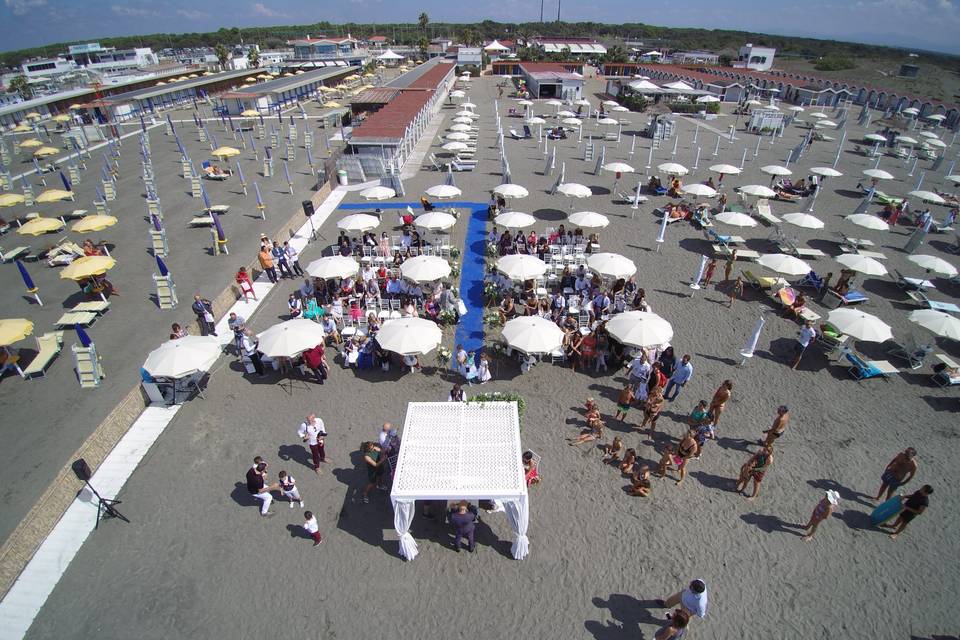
(316, 361)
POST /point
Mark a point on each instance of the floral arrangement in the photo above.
(492, 251)
(454, 252)
(447, 317)
(443, 357)
(500, 396)
(492, 319)
(454, 269)
(491, 292)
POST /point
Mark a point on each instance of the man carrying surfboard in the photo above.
(899, 472)
(912, 507)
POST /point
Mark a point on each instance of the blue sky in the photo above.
(923, 24)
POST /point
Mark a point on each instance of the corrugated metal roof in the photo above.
(279, 85)
(202, 81)
(380, 95)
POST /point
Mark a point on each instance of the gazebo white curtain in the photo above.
(461, 451)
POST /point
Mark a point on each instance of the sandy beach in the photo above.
(197, 561)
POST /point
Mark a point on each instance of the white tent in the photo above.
(679, 86)
(389, 55)
(460, 451)
(496, 46)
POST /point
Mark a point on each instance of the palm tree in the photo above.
(222, 55)
(253, 58)
(423, 44)
(21, 85)
(423, 21)
(469, 36)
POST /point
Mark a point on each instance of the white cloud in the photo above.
(136, 12)
(192, 14)
(261, 9)
(21, 7)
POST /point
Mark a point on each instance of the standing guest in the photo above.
(778, 427)
(755, 468)
(912, 507)
(311, 527)
(651, 409)
(805, 337)
(703, 432)
(530, 473)
(639, 374)
(294, 306)
(280, 259)
(483, 369)
(899, 472)
(246, 285)
(266, 263)
(681, 376)
(457, 394)
(675, 628)
(728, 266)
(692, 600)
(288, 488)
(699, 415)
(313, 432)
(238, 325)
(389, 440)
(373, 458)
(708, 276)
(668, 362)
(293, 258)
(203, 309)
(736, 291)
(821, 512)
(248, 346)
(177, 332)
(657, 380)
(686, 450)
(463, 518)
(720, 399)
(461, 360)
(258, 487)
(316, 360)
(624, 400)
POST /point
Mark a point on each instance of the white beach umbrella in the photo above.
(435, 220)
(911, 111)
(358, 222)
(776, 170)
(468, 105)
(583, 102)
(933, 264)
(673, 168)
(425, 268)
(753, 102)
(574, 190)
(698, 189)
(572, 122)
(941, 323)
(514, 220)
(535, 120)
(511, 191)
(785, 264)
(758, 190)
(707, 99)
(617, 167)
(456, 146)
(457, 136)
(588, 219)
(521, 266)
(867, 221)
(940, 144)
(532, 334)
(823, 124)
(464, 113)
(929, 135)
(803, 220)
(378, 193)
(409, 336)
(725, 169)
(877, 174)
(862, 264)
(182, 357)
(907, 140)
(640, 329)
(928, 196)
(819, 115)
(460, 127)
(619, 108)
(609, 103)
(826, 172)
(566, 113)
(290, 338)
(525, 103)
(554, 103)
(796, 109)
(607, 121)
(612, 265)
(457, 93)
(954, 179)
(859, 325)
(937, 117)
(462, 120)
(332, 267)
(443, 191)
(875, 137)
(735, 219)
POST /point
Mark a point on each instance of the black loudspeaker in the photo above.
(81, 469)
(307, 207)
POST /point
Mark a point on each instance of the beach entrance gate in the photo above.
(460, 451)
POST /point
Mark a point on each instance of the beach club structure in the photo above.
(562, 80)
(387, 136)
(272, 95)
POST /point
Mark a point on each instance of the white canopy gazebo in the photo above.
(461, 451)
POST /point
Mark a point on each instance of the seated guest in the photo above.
(295, 306)
(426, 204)
(431, 310)
(567, 280)
(330, 328)
(307, 289)
(793, 310)
(507, 309)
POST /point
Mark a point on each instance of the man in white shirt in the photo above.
(367, 273)
(307, 290)
(639, 375)
(313, 432)
(807, 334)
(693, 599)
(681, 376)
(393, 287)
(248, 345)
(581, 284)
(293, 258)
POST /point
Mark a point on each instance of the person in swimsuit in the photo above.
(651, 409)
(899, 472)
(736, 291)
(687, 449)
(912, 507)
(611, 452)
(720, 400)
(821, 512)
(629, 459)
(530, 473)
(676, 626)
(778, 427)
(641, 483)
(666, 460)
(756, 468)
(623, 402)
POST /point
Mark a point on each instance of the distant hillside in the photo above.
(716, 40)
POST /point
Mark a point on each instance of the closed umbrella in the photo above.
(532, 335)
(862, 264)
(409, 336)
(86, 267)
(785, 264)
(442, 191)
(698, 189)
(378, 193)
(96, 222)
(640, 329)
(521, 266)
(435, 220)
(611, 265)
(673, 168)
(32, 288)
(514, 220)
(751, 345)
(425, 268)
(588, 219)
(803, 220)
(162, 267)
(941, 323)
(511, 191)
(290, 338)
(39, 226)
(933, 264)
(859, 325)
(735, 219)
(358, 222)
(184, 356)
(333, 267)
(758, 191)
(867, 221)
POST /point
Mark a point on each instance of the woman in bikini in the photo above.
(756, 467)
(687, 449)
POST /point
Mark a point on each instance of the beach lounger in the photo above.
(865, 369)
(876, 255)
(518, 136)
(48, 347)
(63, 254)
(829, 339)
(833, 300)
(910, 284)
(201, 221)
(764, 282)
(914, 354)
(763, 212)
(82, 318)
(100, 307)
(13, 254)
(811, 280)
(806, 313)
(949, 375)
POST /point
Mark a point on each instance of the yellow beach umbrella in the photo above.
(225, 152)
(249, 113)
(97, 222)
(192, 76)
(33, 115)
(326, 89)
(61, 118)
(299, 71)
(75, 106)
(369, 75)
(87, 266)
(264, 76)
(23, 127)
(10, 199)
(14, 330)
(40, 226)
(208, 73)
(160, 84)
(31, 142)
(288, 75)
(332, 104)
(245, 86)
(46, 151)
(53, 195)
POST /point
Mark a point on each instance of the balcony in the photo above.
(300, 54)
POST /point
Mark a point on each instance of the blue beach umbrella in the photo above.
(162, 267)
(66, 182)
(221, 236)
(156, 222)
(143, 124)
(100, 196)
(286, 172)
(256, 187)
(261, 120)
(206, 199)
(28, 282)
(82, 336)
(240, 173)
(36, 165)
(253, 146)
